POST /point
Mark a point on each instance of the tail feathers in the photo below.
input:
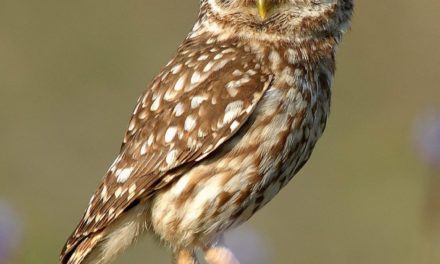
(84, 248)
(103, 246)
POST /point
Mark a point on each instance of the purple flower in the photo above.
(427, 138)
(9, 232)
(248, 246)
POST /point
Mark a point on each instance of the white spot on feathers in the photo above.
(171, 157)
(232, 111)
(208, 66)
(131, 191)
(180, 83)
(275, 59)
(230, 50)
(196, 101)
(179, 109)
(123, 175)
(104, 193)
(144, 148)
(237, 73)
(218, 56)
(203, 57)
(118, 192)
(195, 77)
(176, 69)
(156, 104)
(232, 88)
(179, 187)
(190, 123)
(132, 124)
(234, 125)
(170, 134)
(150, 140)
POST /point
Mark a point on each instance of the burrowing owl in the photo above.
(224, 126)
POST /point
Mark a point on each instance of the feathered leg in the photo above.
(219, 254)
(216, 253)
(184, 256)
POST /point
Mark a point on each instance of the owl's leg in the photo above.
(212, 255)
(184, 256)
(218, 253)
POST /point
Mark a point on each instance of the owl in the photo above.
(222, 128)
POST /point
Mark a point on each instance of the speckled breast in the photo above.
(284, 129)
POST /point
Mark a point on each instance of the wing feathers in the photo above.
(197, 103)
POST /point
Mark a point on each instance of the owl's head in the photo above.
(281, 17)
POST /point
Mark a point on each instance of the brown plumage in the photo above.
(224, 126)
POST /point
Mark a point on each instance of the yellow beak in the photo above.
(262, 8)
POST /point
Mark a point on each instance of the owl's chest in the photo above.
(286, 126)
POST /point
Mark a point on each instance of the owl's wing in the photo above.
(200, 99)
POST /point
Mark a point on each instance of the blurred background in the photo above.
(70, 74)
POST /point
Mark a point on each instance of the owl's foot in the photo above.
(220, 255)
(184, 257)
(211, 255)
